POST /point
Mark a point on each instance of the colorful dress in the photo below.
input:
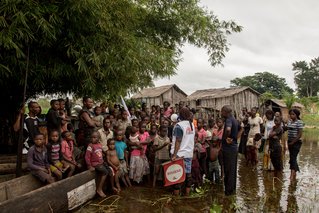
(139, 165)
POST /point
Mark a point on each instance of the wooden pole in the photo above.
(20, 141)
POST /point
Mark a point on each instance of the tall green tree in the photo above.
(307, 77)
(289, 99)
(100, 48)
(264, 82)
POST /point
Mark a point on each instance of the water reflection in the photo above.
(248, 185)
(257, 190)
(273, 186)
(292, 204)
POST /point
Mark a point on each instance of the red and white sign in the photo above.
(174, 172)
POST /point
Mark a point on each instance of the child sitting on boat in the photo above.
(57, 165)
(67, 148)
(94, 161)
(38, 160)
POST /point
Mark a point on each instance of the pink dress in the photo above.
(67, 150)
(139, 165)
(168, 112)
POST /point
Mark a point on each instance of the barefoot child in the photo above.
(197, 178)
(138, 164)
(251, 146)
(94, 161)
(144, 136)
(219, 132)
(150, 153)
(38, 160)
(67, 147)
(160, 146)
(135, 160)
(122, 154)
(57, 164)
(213, 164)
(114, 164)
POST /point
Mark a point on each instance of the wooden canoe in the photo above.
(27, 194)
(8, 164)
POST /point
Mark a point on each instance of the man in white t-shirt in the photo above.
(183, 146)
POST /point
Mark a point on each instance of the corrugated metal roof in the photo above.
(156, 91)
(218, 93)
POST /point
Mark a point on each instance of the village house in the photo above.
(277, 105)
(158, 95)
(209, 102)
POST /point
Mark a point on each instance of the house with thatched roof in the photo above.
(210, 101)
(158, 95)
(277, 105)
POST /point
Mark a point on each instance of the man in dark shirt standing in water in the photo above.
(229, 147)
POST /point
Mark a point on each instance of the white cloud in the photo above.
(275, 34)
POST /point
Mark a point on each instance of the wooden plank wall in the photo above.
(243, 99)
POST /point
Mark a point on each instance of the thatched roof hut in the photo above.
(157, 95)
(215, 99)
(277, 105)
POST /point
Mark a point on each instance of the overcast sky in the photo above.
(275, 34)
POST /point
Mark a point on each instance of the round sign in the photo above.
(174, 172)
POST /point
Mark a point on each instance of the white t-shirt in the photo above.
(268, 127)
(254, 126)
(188, 141)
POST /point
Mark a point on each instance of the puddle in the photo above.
(257, 191)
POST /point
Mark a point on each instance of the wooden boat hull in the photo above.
(60, 196)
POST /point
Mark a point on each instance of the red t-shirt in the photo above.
(93, 155)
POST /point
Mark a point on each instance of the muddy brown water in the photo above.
(257, 191)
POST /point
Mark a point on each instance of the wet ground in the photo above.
(257, 191)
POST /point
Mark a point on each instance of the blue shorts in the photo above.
(188, 165)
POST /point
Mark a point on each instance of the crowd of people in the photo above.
(128, 146)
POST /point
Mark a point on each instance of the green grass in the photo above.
(311, 120)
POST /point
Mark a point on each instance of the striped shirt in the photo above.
(55, 152)
(293, 128)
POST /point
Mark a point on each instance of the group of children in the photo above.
(264, 136)
(56, 157)
(134, 153)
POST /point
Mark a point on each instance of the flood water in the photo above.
(257, 191)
